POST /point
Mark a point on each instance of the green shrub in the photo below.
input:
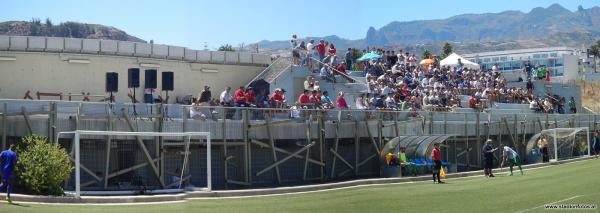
(42, 167)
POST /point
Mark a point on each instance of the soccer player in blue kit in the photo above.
(8, 159)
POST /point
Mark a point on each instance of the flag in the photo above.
(442, 173)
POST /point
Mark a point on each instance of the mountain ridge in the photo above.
(542, 25)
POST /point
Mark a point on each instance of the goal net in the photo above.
(562, 143)
(132, 166)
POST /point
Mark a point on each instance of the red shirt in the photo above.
(249, 97)
(435, 154)
(341, 103)
(239, 96)
(321, 48)
(331, 51)
(341, 68)
(304, 99)
(472, 102)
(277, 97)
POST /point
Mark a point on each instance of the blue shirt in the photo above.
(7, 161)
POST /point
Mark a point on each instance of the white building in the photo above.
(562, 62)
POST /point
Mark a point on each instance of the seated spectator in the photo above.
(390, 157)
(226, 98)
(278, 98)
(325, 74)
(407, 167)
(304, 100)
(315, 99)
(326, 102)
(380, 102)
(250, 100)
(195, 111)
(262, 100)
(239, 97)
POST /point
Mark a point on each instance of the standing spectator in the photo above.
(295, 51)
(341, 101)
(309, 83)
(321, 49)
(239, 97)
(595, 148)
(294, 41)
(528, 70)
(529, 86)
(543, 146)
(349, 59)
(331, 51)
(312, 53)
(572, 106)
(226, 98)
(436, 157)
(205, 95)
(488, 158)
(148, 97)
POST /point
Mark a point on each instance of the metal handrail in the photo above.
(347, 77)
(266, 70)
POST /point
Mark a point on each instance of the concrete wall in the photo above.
(52, 72)
(126, 48)
(571, 64)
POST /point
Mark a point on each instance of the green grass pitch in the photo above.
(577, 183)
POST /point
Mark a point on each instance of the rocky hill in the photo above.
(67, 29)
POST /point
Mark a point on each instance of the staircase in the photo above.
(281, 74)
(275, 69)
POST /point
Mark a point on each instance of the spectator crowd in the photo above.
(396, 80)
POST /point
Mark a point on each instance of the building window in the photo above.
(559, 62)
(554, 55)
(503, 59)
(516, 66)
(495, 59)
(486, 60)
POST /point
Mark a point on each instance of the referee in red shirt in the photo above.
(436, 157)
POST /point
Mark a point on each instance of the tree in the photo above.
(48, 22)
(426, 54)
(42, 167)
(226, 47)
(446, 50)
(595, 50)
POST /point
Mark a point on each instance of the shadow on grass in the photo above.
(18, 204)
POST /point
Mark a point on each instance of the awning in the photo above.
(416, 146)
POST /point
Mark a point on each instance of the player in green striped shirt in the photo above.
(512, 157)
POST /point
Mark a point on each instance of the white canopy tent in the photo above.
(452, 60)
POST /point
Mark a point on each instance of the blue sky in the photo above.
(192, 23)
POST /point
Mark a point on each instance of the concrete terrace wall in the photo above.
(45, 64)
(53, 72)
(126, 48)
